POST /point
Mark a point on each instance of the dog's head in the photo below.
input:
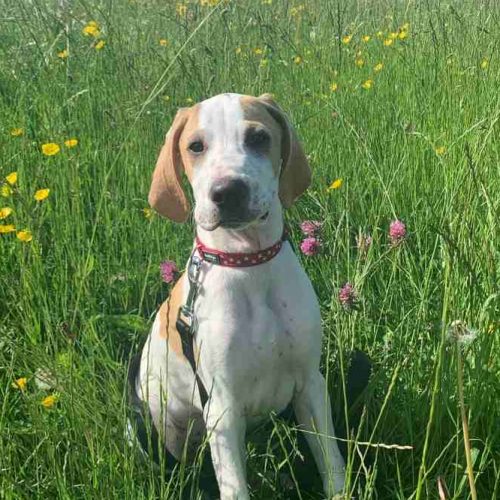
(239, 153)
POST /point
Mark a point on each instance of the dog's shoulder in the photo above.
(166, 318)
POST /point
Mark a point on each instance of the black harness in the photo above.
(186, 323)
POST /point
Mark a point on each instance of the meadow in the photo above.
(396, 101)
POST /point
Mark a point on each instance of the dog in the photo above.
(257, 339)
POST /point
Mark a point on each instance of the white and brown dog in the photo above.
(258, 335)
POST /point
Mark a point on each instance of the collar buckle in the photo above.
(213, 258)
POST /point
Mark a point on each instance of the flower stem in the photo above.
(437, 379)
(465, 425)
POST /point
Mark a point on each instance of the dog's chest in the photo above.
(259, 333)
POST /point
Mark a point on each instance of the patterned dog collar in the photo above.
(243, 259)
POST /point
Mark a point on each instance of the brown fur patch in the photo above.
(295, 176)
(255, 112)
(166, 194)
(188, 135)
(168, 316)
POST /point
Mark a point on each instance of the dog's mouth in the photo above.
(233, 222)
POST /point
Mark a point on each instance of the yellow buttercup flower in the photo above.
(49, 401)
(378, 67)
(405, 27)
(7, 228)
(163, 42)
(181, 9)
(16, 132)
(5, 212)
(484, 63)
(336, 184)
(380, 34)
(99, 45)
(366, 38)
(360, 62)
(50, 149)
(393, 35)
(346, 39)
(440, 150)
(63, 54)
(41, 194)
(368, 84)
(71, 143)
(257, 51)
(295, 11)
(5, 191)
(24, 235)
(403, 35)
(334, 86)
(148, 212)
(91, 29)
(388, 42)
(297, 60)
(20, 383)
(11, 178)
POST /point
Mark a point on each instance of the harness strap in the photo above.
(186, 323)
(187, 341)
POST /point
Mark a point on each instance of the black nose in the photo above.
(230, 195)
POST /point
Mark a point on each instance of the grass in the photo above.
(421, 144)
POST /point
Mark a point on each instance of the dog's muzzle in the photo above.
(231, 196)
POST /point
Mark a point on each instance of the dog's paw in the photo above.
(335, 486)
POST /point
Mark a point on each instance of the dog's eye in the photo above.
(196, 147)
(257, 139)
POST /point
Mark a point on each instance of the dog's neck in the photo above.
(251, 239)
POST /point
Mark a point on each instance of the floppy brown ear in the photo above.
(295, 175)
(166, 195)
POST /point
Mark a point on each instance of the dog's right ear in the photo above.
(166, 195)
(295, 175)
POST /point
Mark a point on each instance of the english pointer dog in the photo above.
(254, 323)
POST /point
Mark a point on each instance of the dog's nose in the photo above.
(230, 194)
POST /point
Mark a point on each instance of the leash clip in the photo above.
(186, 318)
(187, 325)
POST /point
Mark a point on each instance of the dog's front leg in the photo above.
(226, 434)
(313, 413)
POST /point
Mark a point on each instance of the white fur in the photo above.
(259, 330)
(222, 124)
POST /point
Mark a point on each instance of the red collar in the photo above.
(242, 259)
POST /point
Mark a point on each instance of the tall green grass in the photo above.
(422, 145)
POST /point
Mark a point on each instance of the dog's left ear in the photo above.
(295, 175)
